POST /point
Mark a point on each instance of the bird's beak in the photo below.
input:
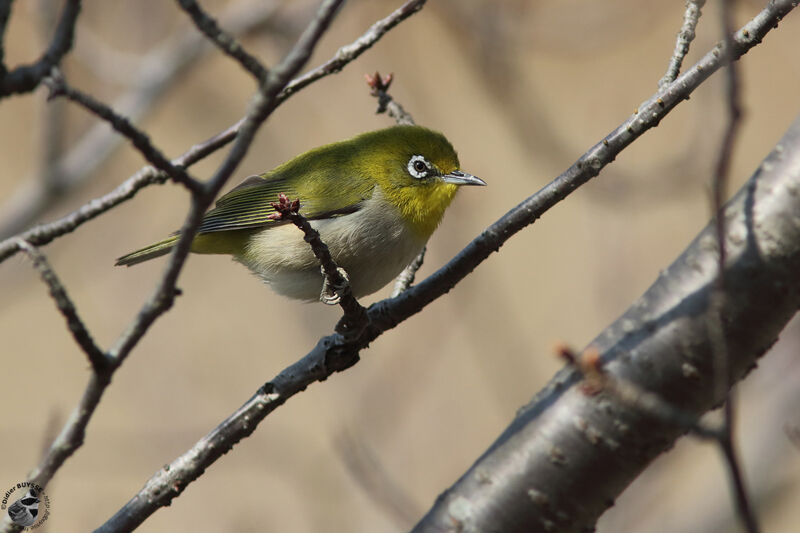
(457, 177)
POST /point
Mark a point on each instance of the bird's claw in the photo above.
(331, 293)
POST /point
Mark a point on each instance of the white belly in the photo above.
(370, 245)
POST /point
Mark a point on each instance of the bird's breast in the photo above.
(373, 244)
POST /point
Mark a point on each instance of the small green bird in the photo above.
(375, 200)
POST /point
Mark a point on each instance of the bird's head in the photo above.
(418, 172)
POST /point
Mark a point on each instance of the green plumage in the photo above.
(368, 183)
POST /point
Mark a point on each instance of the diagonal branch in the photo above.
(59, 87)
(336, 288)
(223, 40)
(685, 37)
(64, 304)
(348, 53)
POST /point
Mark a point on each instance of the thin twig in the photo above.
(59, 87)
(348, 53)
(26, 78)
(5, 14)
(224, 41)
(717, 302)
(685, 37)
(375, 481)
(64, 304)
(355, 317)
(379, 87)
(53, 117)
(407, 276)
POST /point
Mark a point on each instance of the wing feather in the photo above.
(247, 206)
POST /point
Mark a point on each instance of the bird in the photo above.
(375, 199)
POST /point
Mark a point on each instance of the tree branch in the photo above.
(59, 87)
(96, 356)
(685, 37)
(544, 466)
(348, 53)
(26, 78)
(224, 41)
(720, 350)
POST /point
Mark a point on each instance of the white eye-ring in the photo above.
(418, 166)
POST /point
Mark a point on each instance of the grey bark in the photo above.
(568, 455)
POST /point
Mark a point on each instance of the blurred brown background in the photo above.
(521, 89)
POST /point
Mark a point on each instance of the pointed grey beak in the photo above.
(462, 178)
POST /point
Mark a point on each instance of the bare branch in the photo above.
(26, 78)
(45, 233)
(376, 482)
(327, 357)
(539, 466)
(355, 315)
(59, 87)
(717, 302)
(386, 104)
(685, 37)
(406, 277)
(349, 52)
(224, 41)
(5, 14)
(591, 366)
(96, 356)
(379, 87)
(648, 115)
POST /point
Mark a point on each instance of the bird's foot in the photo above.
(332, 293)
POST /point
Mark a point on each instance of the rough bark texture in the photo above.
(569, 454)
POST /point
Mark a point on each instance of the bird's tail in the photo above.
(149, 252)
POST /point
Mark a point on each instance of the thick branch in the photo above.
(568, 455)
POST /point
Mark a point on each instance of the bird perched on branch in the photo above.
(375, 199)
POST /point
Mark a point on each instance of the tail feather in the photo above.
(149, 252)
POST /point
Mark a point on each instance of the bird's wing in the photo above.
(247, 206)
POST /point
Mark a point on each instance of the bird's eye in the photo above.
(418, 167)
